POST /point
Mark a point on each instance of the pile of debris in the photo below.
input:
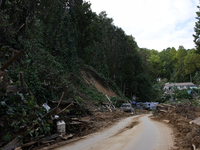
(66, 121)
(185, 121)
(69, 126)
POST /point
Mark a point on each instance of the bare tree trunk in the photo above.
(124, 89)
(1, 2)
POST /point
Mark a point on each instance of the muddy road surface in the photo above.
(132, 133)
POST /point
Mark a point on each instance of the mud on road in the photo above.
(132, 133)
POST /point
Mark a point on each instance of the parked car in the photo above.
(127, 107)
(149, 105)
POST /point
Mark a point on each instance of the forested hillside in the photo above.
(60, 38)
(179, 65)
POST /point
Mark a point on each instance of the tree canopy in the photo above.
(62, 36)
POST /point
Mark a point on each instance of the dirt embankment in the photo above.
(187, 134)
(92, 80)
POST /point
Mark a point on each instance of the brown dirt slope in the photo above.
(92, 80)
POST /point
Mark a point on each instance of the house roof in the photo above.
(179, 84)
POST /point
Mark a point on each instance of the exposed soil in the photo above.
(91, 80)
(187, 135)
(103, 120)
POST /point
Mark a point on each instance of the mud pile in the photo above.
(187, 135)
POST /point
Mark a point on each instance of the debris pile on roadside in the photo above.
(184, 118)
(27, 124)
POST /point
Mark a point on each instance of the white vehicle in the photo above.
(149, 105)
(127, 107)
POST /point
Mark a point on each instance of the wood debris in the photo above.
(67, 137)
(12, 145)
(163, 108)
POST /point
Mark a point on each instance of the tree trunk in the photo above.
(124, 89)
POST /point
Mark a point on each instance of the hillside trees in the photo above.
(154, 64)
(167, 63)
(175, 65)
(191, 62)
(145, 54)
(61, 36)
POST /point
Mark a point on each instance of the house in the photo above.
(180, 86)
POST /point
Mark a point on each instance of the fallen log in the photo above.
(28, 144)
(75, 119)
(44, 142)
(11, 60)
(49, 137)
(13, 144)
(158, 105)
(109, 108)
(167, 105)
(63, 94)
(76, 123)
(110, 101)
(39, 137)
(65, 109)
(163, 111)
(67, 137)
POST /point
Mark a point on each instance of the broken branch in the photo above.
(11, 60)
(63, 94)
(65, 108)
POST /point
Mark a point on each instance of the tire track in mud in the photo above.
(135, 121)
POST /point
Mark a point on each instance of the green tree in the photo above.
(180, 68)
(197, 31)
(191, 62)
(145, 54)
(167, 63)
(155, 64)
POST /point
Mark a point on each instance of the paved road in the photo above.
(147, 135)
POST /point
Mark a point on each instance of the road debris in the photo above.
(185, 121)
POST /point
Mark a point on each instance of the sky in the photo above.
(155, 24)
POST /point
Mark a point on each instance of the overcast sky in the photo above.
(155, 24)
